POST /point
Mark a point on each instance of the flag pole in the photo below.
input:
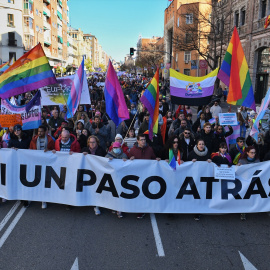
(131, 124)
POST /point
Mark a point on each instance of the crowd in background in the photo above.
(185, 131)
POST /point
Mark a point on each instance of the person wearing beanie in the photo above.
(119, 138)
(117, 153)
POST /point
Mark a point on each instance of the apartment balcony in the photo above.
(60, 32)
(59, 9)
(12, 42)
(259, 25)
(46, 25)
(60, 47)
(47, 39)
(47, 52)
(29, 31)
(59, 21)
(46, 11)
(28, 13)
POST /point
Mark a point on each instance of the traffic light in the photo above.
(132, 51)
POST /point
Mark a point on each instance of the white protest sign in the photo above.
(228, 119)
(224, 172)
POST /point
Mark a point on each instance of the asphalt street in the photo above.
(55, 238)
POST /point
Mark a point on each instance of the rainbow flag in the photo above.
(116, 106)
(28, 73)
(235, 74)
(4, 67)
(150, 100)
(76, 91)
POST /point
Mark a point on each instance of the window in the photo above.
(11, 1)
(187, 71)
(243, 17)
(236, 18)
(263, 8)
(187, 57)
(37, 12)
(178, 22)
(189, 18)
(188, 38)
(10, 20)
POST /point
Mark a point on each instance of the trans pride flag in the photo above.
(193, 91)
(76, 91)
(232, 138)
(30, 72)
(150, 100)
(116, 106)
(31, 114)
(235, 74)
(255, 128)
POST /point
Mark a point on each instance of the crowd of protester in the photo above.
(189, 135)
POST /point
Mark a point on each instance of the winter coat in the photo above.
(23, 144)
(142, 153)
(102, 134)
(186, 148)
(75, 146)
(50, 145)
(111, 154)
(99, 152)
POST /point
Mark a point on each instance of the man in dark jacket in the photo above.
(209, 137)
(55, 121)
(99, 130)
(238, 150)
(186, 142)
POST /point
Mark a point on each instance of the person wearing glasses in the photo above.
(249, 157)
(174, 145)
(93, 148)
(222, 156)
(187, 143)
(221, 134)
(141, 150)
(238, 150)
(19, 140)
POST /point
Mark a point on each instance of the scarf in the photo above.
(240, 152)
(200, 153)
(45, 144)
(226, 155)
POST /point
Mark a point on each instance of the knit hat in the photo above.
(118, 136)
(81, 120)
(116, 145)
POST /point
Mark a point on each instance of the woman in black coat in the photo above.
(199, 152)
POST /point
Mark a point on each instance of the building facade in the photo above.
(11, 30)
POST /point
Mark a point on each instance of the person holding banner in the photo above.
(222, 156)
(42, 142)
(19, 140)
(117, 153)
(93, 148)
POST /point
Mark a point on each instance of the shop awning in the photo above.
(60, 39)
(59, 15)
(60, 3)
(47, 43)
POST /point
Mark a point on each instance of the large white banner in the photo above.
(141, 186)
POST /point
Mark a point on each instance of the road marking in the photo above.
(75, 265)
(246, 263)
(11, 227)
(9, 215)
(159, 245)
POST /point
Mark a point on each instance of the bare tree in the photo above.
(205, 30)
(150, 56)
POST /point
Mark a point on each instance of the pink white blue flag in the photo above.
(264, 105)
(76, 91)
(116, 106)
(232, 138)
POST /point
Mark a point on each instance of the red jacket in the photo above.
(142, 153)
(33, 143)
(75, 146)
